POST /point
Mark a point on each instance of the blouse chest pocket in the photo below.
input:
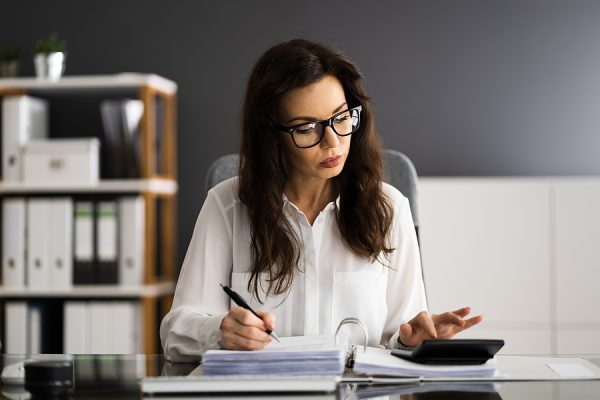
(362, 295)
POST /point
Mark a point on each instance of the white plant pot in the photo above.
(49, 65)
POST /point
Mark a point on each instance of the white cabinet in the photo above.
(577, 227)
(524, 252)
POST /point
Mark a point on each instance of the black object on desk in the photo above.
(49, 379)
(452, 352)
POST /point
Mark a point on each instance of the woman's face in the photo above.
(316, 102)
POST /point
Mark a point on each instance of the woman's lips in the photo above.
(331, 162)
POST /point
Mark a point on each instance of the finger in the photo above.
(236, 342)
(430, 326)
(246, 317)
(268, 320)
(462, 312)
(449, 318)
(473, 321)
(251, 333)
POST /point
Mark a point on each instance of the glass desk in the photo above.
(117, 377)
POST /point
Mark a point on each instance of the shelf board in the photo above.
(126, 80)
(99, 291)
(154, 185)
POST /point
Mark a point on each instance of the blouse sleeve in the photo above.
(193, 324)
(405, 288)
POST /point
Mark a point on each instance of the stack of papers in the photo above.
(299, 355)
(375, 361)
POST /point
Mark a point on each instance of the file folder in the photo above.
(131, 251)
(124, 336)
(76, 328)
(83, 243)
(107, 242)
(60, 235)
(23, 118)
(38, 270)
(15, 327)
(13, 242)
(100, 326)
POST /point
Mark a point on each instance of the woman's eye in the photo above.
(340, 118)
(305, 130)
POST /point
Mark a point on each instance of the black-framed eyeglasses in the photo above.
(309, 134)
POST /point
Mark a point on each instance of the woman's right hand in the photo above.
(243, 330)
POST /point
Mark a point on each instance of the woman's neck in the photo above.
(310, 196)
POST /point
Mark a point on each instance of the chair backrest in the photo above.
(402, 174)
(399, 172)
(221, 169)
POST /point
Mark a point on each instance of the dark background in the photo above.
(463, 87)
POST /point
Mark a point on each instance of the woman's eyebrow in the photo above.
(338, 108)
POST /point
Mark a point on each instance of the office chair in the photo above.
(399, 172)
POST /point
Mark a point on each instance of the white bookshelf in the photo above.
(127, 80)
(92, 291)
(157, 186)
(154, 185)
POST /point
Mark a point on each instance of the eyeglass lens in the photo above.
(311, 133)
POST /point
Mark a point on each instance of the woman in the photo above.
(308, 232)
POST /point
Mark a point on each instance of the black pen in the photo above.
(237, 299)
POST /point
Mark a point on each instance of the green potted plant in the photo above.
(9, 62)
(49, 57)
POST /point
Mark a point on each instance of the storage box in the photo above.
(64, 161)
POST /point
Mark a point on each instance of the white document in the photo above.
(131, 250)
(379, 362)
(76, 328)
(34, 334)
(13, 242)
(15, 326)
(126, 328)
(23, 118)
(38, 265)
(60, 236)
(300, 355)
(376, 361)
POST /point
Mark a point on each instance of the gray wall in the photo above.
(468, 87)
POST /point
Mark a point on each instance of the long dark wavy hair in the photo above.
(364, 214)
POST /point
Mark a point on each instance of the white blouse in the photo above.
(334, 283)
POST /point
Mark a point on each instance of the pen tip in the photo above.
(221, 285)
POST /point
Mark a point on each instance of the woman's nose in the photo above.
(331, 138)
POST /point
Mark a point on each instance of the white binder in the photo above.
(23, 118)
(125, 336)
(60, 236)
(13, 242)
(15, 327)
(76, 328)
(131, 250)
(38, 271)
(100, 325)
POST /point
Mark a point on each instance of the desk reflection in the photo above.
(117, 377)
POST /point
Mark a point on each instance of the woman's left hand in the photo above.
(436, 326)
